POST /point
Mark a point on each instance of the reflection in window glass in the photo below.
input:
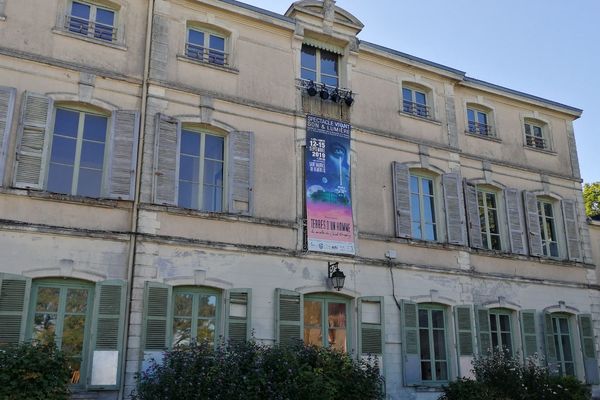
(319, 65)
(548, 228)
(562, 342)
(501, 331)
(325, 323)
(89, 19)
(432, 343)
(206, 47)
(488, 218)
(422, 202)
(194, 317)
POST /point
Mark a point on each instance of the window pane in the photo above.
(196, 37)
(188, 194)
(495, 343)
(493, 322)
(214, 147)
(470, 115)
(415, 207)
(337, 339)
(527, 129)
(437, 318)
(189, 168)
(441, 371)
(308, 75)
(424, 344)
(208, 306)
(308, 59)
(44, 327)
(183, 305)
(439, 344)
(504, 322)
(72, 336)
(407, 94)
(329, 80)
(420, 98)
(426, 371)
(66, 123)
(416, 230)
(537, 131)
(216, 43)
(206, 331)
(60, 178)
(428, 209)
(80, 10)
(80, 15)
(76, 300)
(312, 323)
(329, 63)
(423, 319)
(63, 150)
(566, 345)
(213, 173)
(493, 221)
(429, 232)
(563, 325)
(336, 315)
(496, 242)
(506, 342)
(414, 184)
(92, 155)
(427, 186)
(491, 200)
(182, 328)
(94, 128)
(47, 299)
(548, 209)
(212, 198)
(90, 182)
(104, 24)
(190, 143)
(105, 17)
(482, 118)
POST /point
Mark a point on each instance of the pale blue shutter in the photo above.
(588, 347)
(166, 160)
(482, 316)
(240, 172)
(514, 211)
(7, 106)
(123, 154)
(473, 219)
(410, 342)
(551, 356)
(465, 338)
(401, 186)
(571, 229)
(454, 207)
(14, 299)
(529, 333)
(289, 320)
(533, 224)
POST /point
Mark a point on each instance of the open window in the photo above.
(207, 44)
(417, 100)
(480, 120)
(536, 134)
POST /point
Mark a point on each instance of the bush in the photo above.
(251, 371)
(503, 377)
(31, 371)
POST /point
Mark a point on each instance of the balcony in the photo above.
(91, 29)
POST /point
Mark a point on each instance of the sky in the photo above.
(547, 48)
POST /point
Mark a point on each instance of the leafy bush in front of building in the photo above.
(503, 377)
(32, 371)
(251, 371)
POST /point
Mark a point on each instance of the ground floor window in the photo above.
(326, 322)
(432, 343)
(561, 333)
(195, 314)
(501, 330)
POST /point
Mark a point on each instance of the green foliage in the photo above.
(251, 371)
(33, 371)
(502, 377)
(591, 199)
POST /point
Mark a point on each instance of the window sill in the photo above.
(205, 64)
(485, 137)
(65, 198)
(430, 388)
(545, 151)
(424, 119)
(114, 45)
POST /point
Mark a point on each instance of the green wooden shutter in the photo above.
(401, 185)
(157, 308)
(240, 172)
(483, 330)
(289, 320)
(473, 219)
(238, 315)
(410, 329)
(166, 160)
(464, 330)
(528, 333)
(14, 299)
(588, 347)
(533, 224)
(551, 357)
(107, 333)
(7, 106)
(371, 326)
(569, 210)
(454, 207)
(32, 142)
(123, 154)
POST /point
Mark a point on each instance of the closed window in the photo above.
(535, 134)
(414, 102)
(422, 207)
(326, 322)
(478, 122)
(548, 228)
(320, 66)
(432, 343)
(201, 170)
(195, 316)
(488, 216)
(77, 153)
(91, 20)
(501, 330)
(561, 334)
(206, 46)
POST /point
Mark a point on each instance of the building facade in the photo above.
(154, 191)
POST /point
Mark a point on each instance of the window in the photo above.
(326, 322)
(206, 46)
(501, 330)
(534, 135)
(432, 343)
(62, 313)
(195, 316)
(422, 207)
(320, 66)
(547, 228)
(201, 170)
(488, 216)
(414, 102)
(478, 122)
(561, 334)
(91, 20)
(77, 153)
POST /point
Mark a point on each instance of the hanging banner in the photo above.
(328, 201)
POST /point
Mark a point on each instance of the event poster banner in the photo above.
(328, 201)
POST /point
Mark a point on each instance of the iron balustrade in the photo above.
(535, 141)
(204, 54)
(416, 109)
(341, 93)
(481, 129)
(90, 28)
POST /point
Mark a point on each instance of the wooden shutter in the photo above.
(528, 333)
(123, 154)
(401, 187)
(240, 172)
(551, 357)
(484, 333)
(473, 220)
(33, 132)
(464, 330)
(238, 315)
(107, 332)
(371, 326)
(453, 204)
(14, 299)
(7, 105)
(166, 160)
(289, 321)
(410, 329)
(157, 306)
(588, 347)
(569, 210)
(514, 221)
(533, 224)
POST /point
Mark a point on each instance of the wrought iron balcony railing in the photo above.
(204, 54)
(536, 141)
(480, 129)
(416, 109)
(89, 28)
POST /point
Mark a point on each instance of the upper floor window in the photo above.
(92, 20)
(501, 330)
(535, 134)
(422, 207)
(201, 170)
(414, 102)
(479, 121)
(488, 215)
(206, 46)
(432, 343)
(548, 228)
(325, 322)
(320, 66)
(195, 316)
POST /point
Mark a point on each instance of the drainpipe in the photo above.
(136, 197)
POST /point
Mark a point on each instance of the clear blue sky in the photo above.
(548, 48)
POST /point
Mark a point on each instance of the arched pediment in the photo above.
(324, 9)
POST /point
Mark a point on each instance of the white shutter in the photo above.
(33, 132)
(514, 220)
(240, 172)
(533, 224)
(123, 156)
(166, 160)
(453, 204)
(474, 222)
(7, 105)
(571, 229)
(401, 187)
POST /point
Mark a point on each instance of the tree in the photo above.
(591, 198)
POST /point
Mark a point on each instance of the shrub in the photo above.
(31, 371)
(502, 377)
(252, 371)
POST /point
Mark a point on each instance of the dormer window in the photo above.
(319, 66)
